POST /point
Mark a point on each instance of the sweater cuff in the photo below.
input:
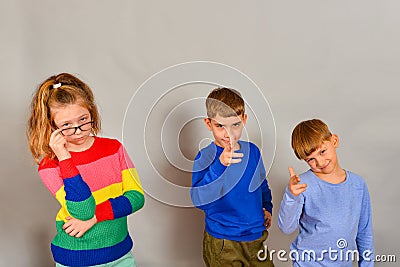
(268, 208)
(67, 168)
(104, 211)
(289, 196)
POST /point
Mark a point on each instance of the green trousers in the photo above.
(227, 253)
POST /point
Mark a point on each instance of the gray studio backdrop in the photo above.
(336, 60)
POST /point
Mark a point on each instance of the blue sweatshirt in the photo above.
(334, 222)
(232, 197)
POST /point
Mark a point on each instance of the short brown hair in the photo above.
(308, 136)
(226, 102)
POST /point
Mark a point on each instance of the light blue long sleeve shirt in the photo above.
(334, 222)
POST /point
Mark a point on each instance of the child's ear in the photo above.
(244, 119)
(335, 140)
(207, 121)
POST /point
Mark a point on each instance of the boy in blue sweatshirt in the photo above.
(330, 205)
(229, 184)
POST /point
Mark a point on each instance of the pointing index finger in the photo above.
(228, 146)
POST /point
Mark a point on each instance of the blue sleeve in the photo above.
(266, 196)
(266, 191)
(290, 212)
(365, 239)
(206, 187)
(261, 180)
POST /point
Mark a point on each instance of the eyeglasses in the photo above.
(83, 127)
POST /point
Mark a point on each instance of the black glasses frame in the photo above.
(76, 128)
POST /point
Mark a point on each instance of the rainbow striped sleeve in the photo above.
(132, 198)
(68, 187)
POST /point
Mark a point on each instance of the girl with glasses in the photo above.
(92, 178)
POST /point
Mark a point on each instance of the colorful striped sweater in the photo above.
(101, 181)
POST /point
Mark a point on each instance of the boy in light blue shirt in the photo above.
(330, 205)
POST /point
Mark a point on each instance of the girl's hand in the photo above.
(58, 144)
(77, 228)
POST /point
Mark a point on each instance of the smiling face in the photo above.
(73, 115)
(323, 161)
(226, 130)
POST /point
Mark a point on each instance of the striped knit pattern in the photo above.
(100, 181)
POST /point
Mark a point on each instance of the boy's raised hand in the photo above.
(229, 156)
(294, 183)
